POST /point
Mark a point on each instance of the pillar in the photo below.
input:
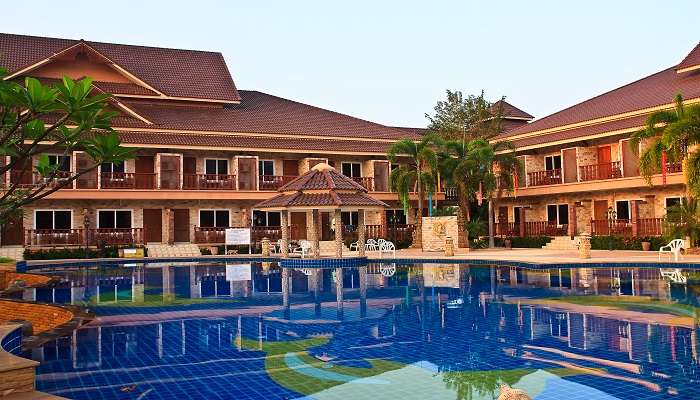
(284, 221)
(339, 291)
(363, 291)
(314, 234)
(634, 216)
(572, 219)
(170, 215)
(383, 228)
(361, 232)
(462, 234)
(338, 233)
(522, 221)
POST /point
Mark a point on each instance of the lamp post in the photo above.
(611, 215)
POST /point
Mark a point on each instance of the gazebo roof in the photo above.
(321, 187)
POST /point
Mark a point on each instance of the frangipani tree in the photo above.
(417, 172)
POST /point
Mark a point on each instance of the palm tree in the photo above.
(477, 165)
(683, 220)
(419, 173)
(673, 132)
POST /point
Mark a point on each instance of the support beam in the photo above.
(337, 216)
(314, 231)
(284, 220)
(361, 233)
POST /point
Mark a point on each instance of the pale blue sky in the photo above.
(390, 61)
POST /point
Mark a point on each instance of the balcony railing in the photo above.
(115, 236)
(547, 177)
(623, 227)
(209, 182)
(532, 228)
(674, 167)
(127, 180)
(274, 182)
(594, 172)
(55, 237)
(366, 181)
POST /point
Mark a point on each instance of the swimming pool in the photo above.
(421, 331)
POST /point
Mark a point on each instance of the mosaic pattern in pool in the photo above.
(447, 331)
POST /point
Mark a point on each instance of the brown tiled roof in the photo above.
(251, 142)
(177, 73)
(320, 200)
(654, 90)
(413, 131)
(264, 113)
(323, 177)
(124, 88)
(511, 111)
(691, 60)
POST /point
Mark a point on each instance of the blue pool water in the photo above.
(447, 331)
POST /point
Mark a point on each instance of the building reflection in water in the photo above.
(458, 317)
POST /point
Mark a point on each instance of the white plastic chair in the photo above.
(674, 248)
(354, 246)
(386, 247)
(371, 245)
(304, 248)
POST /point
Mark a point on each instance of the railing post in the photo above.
(634, 217)
(522, 221)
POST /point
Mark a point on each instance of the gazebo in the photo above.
(320, 189)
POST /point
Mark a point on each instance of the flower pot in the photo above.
(646, 246)
(508, 243)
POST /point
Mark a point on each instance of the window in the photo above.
(266, 167)
(349, 217)
(267, 218)
(672, 202)
(622, 207)
(216, 167)
(351, 169)
(516, 214)
(214, 218)
(558, 214)
(395, 217)
(114, 219)
(552, 162)
(63, 162)
(53, 219)
(112, 167)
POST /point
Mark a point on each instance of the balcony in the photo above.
(623, 227)
(611, 170)
(127, 180)
(532, 228)
(78, 237)
(209, 182)
(366, 182)
(542, 178)
(274, 182)
(217, 235)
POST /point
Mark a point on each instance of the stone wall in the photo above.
(42, 316)
(436, 229)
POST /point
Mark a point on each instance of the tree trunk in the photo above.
(418, 238)
(492, 243)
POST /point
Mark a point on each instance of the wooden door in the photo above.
(145, 170)
(182, 225)
(169, 171)
(600, 209)
(290, 168)
(604, 160)
(89, 179)
(326, 233)
(12, 232)
(630, 159)
(21, 173)
(153, 225)
(189, 165)
(570, 167)
(247, 174)
(381, 176)
(298, 222)
(502, 214)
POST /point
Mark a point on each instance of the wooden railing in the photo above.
(674, 167)
(55, 237)
(274, 182)
(115, 236)
(623, 227)
(366, 181)
(547, 177)
(594, 172)
(506, 229)
(212, 235)
(208, 182)
(127, 180)
(532, 228)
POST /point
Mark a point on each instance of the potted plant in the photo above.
(646, 244)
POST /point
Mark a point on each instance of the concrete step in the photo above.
(561, 243)
(173, 250)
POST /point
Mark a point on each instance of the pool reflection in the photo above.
(164, 329)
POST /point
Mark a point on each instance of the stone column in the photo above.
(584, 246)
(339, 291)
(313, 237)
(361, 232)
(338, 233)
(383, 224)
(522, 221)
(634, 217)
(462, 234)
(284, 220)
(363, 291)
(572, 219)
(170, 213)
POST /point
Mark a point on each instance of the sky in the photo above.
(391, 61)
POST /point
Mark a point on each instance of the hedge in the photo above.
(528, 242)
(625, 243)
(74, 253)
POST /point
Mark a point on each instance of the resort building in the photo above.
(580, 172)
(207, 151)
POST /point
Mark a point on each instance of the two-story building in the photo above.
(580, 172)
(207, 151)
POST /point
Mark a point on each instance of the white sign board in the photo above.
(238, 272)
(238, 236)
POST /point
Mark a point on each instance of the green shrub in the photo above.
(481, 243)
(76, 253)
(205, 251)
(625, 243)
(528, 242)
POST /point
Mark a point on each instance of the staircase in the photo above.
(173, 250)
(14, 252)
(562, 243)
(328, 247)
